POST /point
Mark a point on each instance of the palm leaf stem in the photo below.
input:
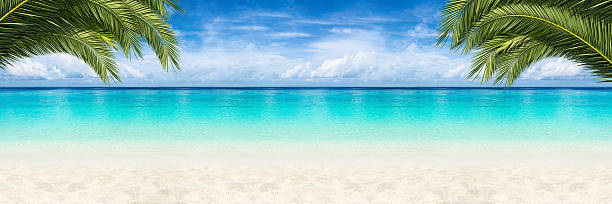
(11, 11)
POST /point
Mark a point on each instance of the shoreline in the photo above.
(184, 154)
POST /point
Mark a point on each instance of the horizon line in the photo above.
(300, 87)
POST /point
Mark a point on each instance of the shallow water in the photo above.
(305, 114)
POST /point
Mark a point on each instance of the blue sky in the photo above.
(297, 43)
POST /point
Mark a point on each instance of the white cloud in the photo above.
(408, 65)
(250, 28)
(298, 71)
(248, 63)
(290, 34)
(422, 31)
(344, 54)
(315, 21)
(271, 14)
(558, 68)
(460, 71)
(355, 55)
(346, 41)
(348, 21)
(361, 55)
(127, 72)
(376, 19)
(34, 69)
(50, 67)
(348, 66)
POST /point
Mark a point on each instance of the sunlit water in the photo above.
(306, 114)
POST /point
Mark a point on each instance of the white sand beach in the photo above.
(299, 172)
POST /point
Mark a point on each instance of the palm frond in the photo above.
(91, 30)
(510, 36)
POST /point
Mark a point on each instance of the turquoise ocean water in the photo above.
(305, 114)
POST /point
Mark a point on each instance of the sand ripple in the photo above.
(305, 185)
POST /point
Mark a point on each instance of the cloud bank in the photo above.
(277, 48)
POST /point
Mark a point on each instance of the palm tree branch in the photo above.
(101, 71)
(516, 73)
(91, 30)
(12, 10)
(556, 25)
(165, 38)
(578, 30)
(452, 24)
(117, 24)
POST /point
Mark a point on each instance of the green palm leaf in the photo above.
(509, 36)
(91, 30)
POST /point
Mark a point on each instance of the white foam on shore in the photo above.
(366, 154)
